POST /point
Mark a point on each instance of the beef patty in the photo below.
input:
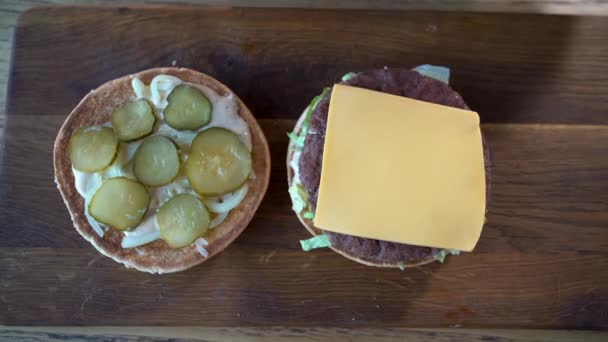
(401, 82)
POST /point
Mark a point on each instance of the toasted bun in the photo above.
(155, 257)
(316, 231)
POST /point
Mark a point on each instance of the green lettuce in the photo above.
(434, 71)
(309, 215)
(445, 252)
(299, 198)
(309, 110)
(437, 72)
(348, 76)
(319, 241)
(298, 138)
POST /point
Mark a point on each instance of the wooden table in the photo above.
(11, 9)
(537, 91)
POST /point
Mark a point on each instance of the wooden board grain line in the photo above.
(11, 9)
(183, 334)
(523, 65)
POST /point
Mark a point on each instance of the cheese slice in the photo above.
(401, 170)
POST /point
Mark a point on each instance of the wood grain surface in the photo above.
(243, 334)
(538, 82)
(11, 9)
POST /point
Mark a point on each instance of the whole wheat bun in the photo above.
(155, 257)
(316, 231)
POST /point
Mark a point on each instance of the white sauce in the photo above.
(295, 159)
(146, 232)
(224, 114)
(226, 202)
(199, 243)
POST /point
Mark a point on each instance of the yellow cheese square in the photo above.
(401, 170)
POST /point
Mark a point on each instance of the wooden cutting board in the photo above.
(540, 84)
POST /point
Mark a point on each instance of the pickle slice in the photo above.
(93, 148)
(156, 162)
(134, 120)
(187, 108)
(120, 203)
(218, 162)
(182, 220)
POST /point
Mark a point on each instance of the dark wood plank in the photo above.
(282, 286)
(205, 334)
(510, 68)
(250, 285)
(539, 263)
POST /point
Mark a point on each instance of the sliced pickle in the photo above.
(93, 148)
(188, 108)
(156, 162)
(121, 203)
(218, 162)
(182, 220)
(134, 120)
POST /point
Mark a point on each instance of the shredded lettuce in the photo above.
(401, 266)
(298, 140)
(309, 110)
(299, 198)
(348, 76)
(434, 71)
(454, 251)
(319, 241)
(437, 72)
(441, 255)
(309, 215)
(445, 252)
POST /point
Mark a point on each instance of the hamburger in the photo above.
(162, 169)
(305, 164)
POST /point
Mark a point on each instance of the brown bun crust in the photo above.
(155, 257)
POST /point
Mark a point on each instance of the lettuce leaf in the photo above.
(309, 110)
(445, 252)
(309, 215)
(297, 140)
(437, 72)
(434, 71)
(319, 241)
(299, 197)
(348, 76)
